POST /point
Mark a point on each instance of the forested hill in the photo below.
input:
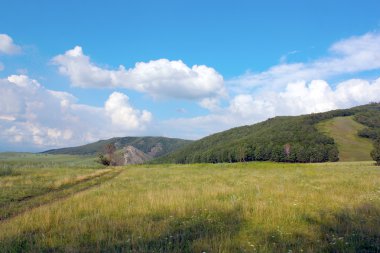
(283, 139)
(153, 146)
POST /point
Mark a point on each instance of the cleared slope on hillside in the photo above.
(344, 131)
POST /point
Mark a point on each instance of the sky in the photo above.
(74, 72)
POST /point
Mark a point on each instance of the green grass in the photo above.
(242, 207)
(344, 131)
(30, 160)
(28, 180)
(30, 189)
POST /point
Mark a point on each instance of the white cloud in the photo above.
(319, 96)
(297, 98)
(211, 104)
(7, 46)
(31, 115)
(295, 88)
(122, 114)
(158, 78)
(284, 89)
(23, 81)
(353, 55)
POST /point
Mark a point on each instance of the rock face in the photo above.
(155, 150)
(133, 155)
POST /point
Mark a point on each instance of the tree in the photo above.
(278, 154)
(375, 154)
(333, 154)
(287, 149)
(109, 150)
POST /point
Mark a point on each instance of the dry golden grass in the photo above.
(248, 207)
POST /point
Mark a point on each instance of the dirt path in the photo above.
(21, 206)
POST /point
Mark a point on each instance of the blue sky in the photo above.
(189, 68)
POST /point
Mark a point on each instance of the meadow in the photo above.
(240, 207)
(30, 180)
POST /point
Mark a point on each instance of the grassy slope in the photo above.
(344, 131)
(242, 207)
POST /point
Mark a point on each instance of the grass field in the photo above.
(30, 160)
(243, 207)
(344, 131)
(30, 180)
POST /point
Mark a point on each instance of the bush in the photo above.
(104, 160)
(371, 133)
(375, 154)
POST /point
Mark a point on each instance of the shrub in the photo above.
(104, 160)
(371, 133)
(375, 154)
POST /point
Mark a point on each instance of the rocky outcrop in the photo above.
(133, 155)
(155, 150)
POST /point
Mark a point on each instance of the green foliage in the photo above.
(371, 119)
(266, 141)
(375, 154)
(102, 159)
(262, 142)
(369, 133)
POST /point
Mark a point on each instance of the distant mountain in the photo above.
(282, 139)
(149, 146)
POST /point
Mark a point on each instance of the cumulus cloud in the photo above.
(124, 115)
(211, 104)
(7, 46)
(158, 78)
(294, 88)
(31, 115)
(348, 56)
(319, 96)
(297, 98)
